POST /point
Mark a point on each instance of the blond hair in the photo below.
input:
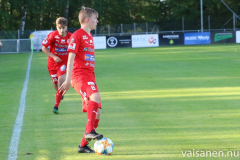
(86, 13)
(62, 21)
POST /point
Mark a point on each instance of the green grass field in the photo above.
(157, 104)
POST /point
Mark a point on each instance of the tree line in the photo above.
(41, 14)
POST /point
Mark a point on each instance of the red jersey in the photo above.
(58, 45)
(81, 43)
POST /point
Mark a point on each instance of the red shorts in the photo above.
(56, 70)
(53, 74)
(85, 89)
(52, 69)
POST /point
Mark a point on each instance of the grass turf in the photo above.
(157, 104)
(12, 76)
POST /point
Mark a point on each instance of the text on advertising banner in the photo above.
(100, 42)
(146, 40)
(197, 38)
(171, 39)
(223, 37)
(119, 41)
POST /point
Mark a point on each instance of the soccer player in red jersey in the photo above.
(57, 56)
(80, 73)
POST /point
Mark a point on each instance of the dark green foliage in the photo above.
(41, 14)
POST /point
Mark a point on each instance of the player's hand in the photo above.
(64, 87)
(57, 59)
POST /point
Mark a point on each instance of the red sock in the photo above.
(84, 142)
(95, 125)
(58, 98)
(91, 115)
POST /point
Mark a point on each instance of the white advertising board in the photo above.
(100, 42)
(237, 36)
(38, 37)
(146, 40)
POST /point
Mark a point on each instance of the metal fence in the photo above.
(15, 46)
(16, 41)
(179, 25)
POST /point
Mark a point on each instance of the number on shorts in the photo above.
(55, 79)
(93, 88)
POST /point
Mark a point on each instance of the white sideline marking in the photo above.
(13, 148)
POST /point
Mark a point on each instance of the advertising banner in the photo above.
(197, 38)
(38, 37)
(100, 42)
(171, 39)
(119, 41)
(223, 37)
(237, 36)
(146, 40)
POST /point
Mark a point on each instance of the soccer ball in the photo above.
(103, 146)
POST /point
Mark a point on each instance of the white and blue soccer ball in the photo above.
(103, 146)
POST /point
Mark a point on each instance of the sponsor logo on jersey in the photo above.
(91, 65)
(63, 68)
(57, 36)
(60, 49)
(91, 83)
(62, 40)
(72, 40)
(45, 41)
(72, 46)
(84, 37)
(62, 54)
(60, 45)
(89, 49)
(89, 57)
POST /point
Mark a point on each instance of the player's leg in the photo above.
(84, 90)
(95, 125)
(55, 86)
(93, 105)
(53, 73)
(54, 78)
(83, 147)
(61, 79)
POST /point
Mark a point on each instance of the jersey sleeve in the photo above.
(74, 44)
(48, 40)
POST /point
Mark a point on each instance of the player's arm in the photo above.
(48, 53)
(47, 42)
(65, 86)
